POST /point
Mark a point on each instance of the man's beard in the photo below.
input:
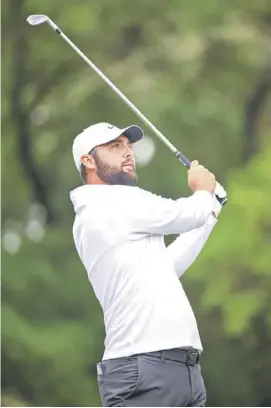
(112, 175)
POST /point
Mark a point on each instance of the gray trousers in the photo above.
(169, 378)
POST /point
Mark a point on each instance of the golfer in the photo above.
(152, 345)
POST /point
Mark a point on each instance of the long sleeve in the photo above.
(185, 249)
(147, 213)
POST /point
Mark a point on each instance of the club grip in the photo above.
(184, 160)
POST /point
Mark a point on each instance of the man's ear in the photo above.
(88, 161)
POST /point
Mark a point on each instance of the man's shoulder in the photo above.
(101, 197)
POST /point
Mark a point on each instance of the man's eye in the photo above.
(115, 145)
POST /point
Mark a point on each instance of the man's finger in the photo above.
(194, 163)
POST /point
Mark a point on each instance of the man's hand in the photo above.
(200, 178)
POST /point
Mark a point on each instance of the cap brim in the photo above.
(133, 132)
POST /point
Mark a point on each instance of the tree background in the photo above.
(200, 71)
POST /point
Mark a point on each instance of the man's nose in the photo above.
(128, 151)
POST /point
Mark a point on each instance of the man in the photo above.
(152, 343)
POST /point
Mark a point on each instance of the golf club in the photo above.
(37, 19)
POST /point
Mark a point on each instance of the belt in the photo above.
(189, 357)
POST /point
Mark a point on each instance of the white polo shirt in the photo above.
(119, 235)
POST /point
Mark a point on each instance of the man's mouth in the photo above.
(128, 167)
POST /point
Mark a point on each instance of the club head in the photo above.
(37, 19)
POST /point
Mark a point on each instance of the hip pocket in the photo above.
(118, 380)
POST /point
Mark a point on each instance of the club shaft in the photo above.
(159, 134)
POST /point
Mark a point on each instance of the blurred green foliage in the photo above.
(201, 72)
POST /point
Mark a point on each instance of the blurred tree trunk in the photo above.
(19, 110)
(253, 108)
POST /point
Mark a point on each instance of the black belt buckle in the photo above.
(192, 357)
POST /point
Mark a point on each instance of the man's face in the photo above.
(115, 163)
